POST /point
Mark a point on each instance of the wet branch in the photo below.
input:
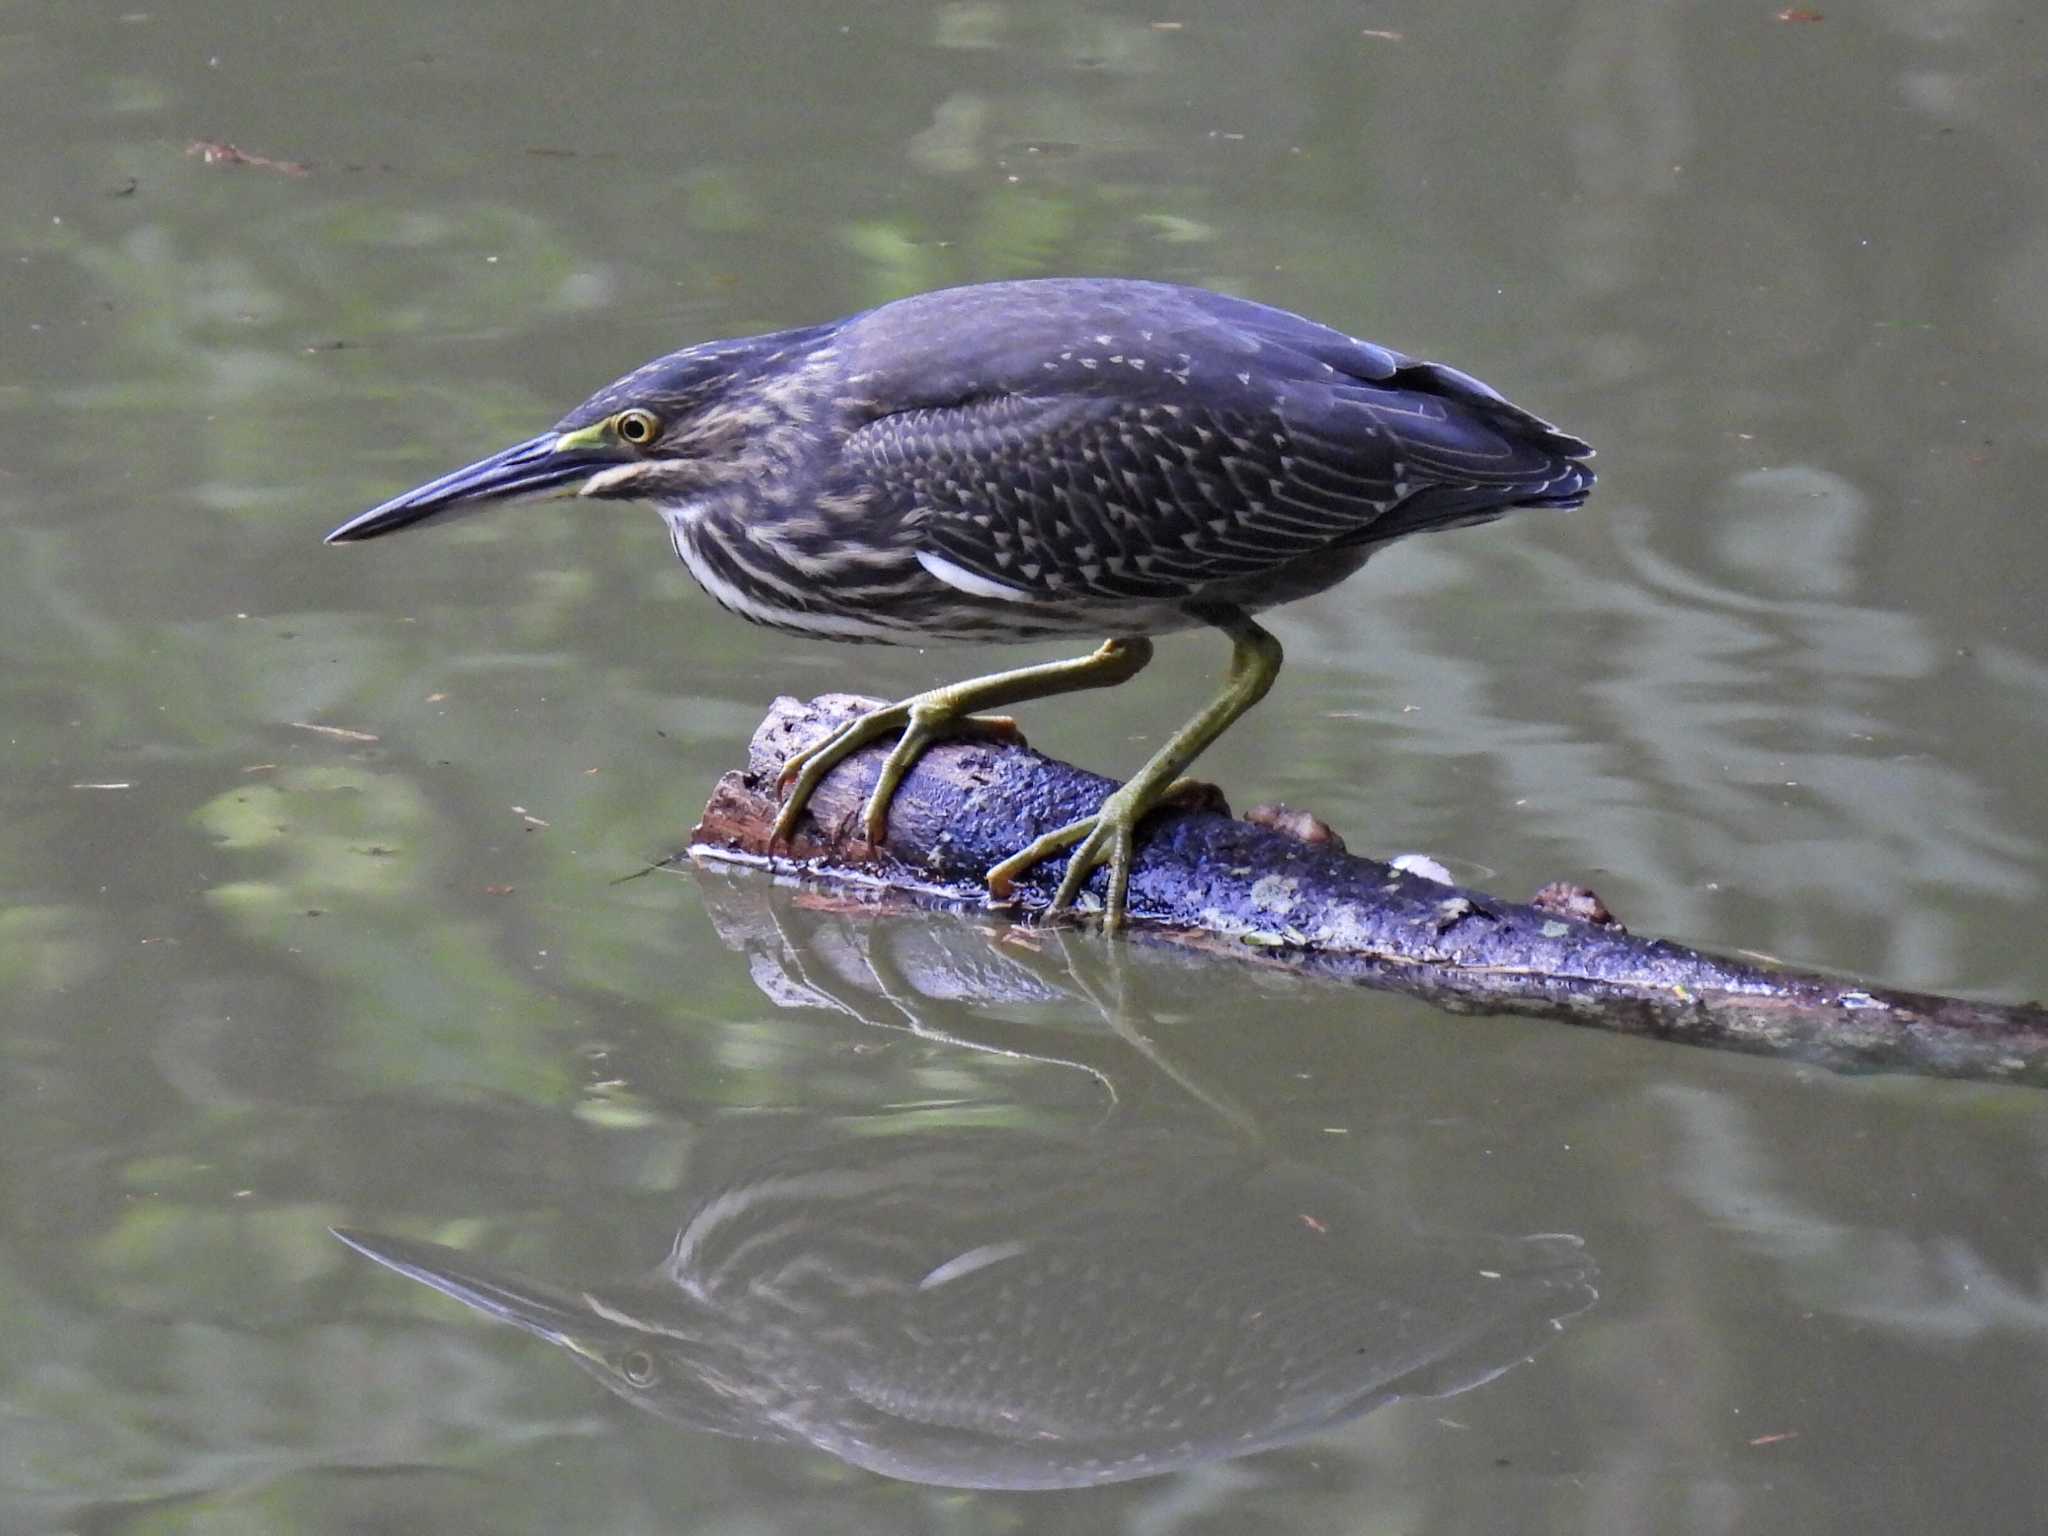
(1263, 894)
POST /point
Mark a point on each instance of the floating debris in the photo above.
(221, 152)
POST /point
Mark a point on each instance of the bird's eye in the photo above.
(637, 1366)
(636, 429)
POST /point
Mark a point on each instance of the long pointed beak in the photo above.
(542, 1310)
(539, 464)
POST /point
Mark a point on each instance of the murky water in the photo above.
(313, 913)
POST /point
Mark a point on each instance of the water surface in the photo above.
(311, 916)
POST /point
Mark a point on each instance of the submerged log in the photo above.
(1274, 891)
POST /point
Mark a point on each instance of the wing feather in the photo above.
(1169, 440)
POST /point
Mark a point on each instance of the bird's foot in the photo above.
(923, 719)
(1109, 837)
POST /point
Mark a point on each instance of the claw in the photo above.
(1106, 838)
(922, 720)
(806, 769)
(1002, 878)
(942, 712)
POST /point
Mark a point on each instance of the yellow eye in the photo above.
(636, 429)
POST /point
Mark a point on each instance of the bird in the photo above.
(985, 1306)
(1026, 460)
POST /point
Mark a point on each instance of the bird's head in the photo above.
(650, 1345)
(683, 425)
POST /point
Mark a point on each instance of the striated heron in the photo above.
(992, 1307)
(1021, 460)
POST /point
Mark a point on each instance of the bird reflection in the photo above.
(991, 1307)
(991, 988)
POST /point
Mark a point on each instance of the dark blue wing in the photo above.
(1137, 440)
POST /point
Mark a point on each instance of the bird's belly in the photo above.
(885, 601)
(952, 614)
(901, 601)
(956, 616)
(760, 584)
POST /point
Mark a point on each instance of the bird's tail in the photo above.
(1567, 489)
(1457, 506)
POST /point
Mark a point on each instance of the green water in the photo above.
(313, 910)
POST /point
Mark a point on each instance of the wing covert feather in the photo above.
(1073, 497)
(1112, 439)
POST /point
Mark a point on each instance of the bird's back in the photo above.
(1030, 458)
(1165, 343)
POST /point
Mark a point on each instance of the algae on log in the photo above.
(1261, 894)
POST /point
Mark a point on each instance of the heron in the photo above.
(1028, 460)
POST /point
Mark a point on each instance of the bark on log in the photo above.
(1259, 894)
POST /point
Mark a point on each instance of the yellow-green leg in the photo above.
(927, 717)
(1107, 837)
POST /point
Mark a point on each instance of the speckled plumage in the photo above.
(1070, 456)
(1026, 459)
